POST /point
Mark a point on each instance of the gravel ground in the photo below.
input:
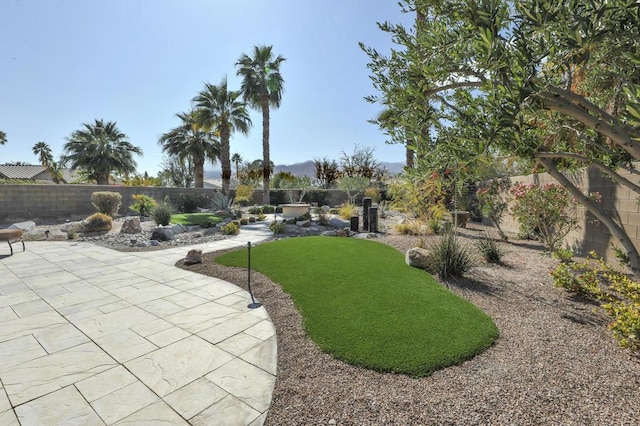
(554, 363)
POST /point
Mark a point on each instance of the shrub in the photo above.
(252, 219)
(161, 214)
(347, 211)
(546, 211)
(448, 257)
(143, 204)
(323, 219)
(244, 221)
(209, 223)
(277, 227)
(244, 194)
(490, 250)
(230, 228)
(373, 193)
(106, 202)
(189, 202)
(222, 203)
(267, 209)
(493, 202)
(410, 227)
(98, 222)
(435, 225)
(255, 210)
(260, 217)
(617, 293)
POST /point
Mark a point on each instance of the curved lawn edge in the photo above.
(362, 304)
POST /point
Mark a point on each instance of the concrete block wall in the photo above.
(617, 201)
(49, 203)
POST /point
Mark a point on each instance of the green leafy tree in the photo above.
(223, 112)
(552, 83)
(353, 185)
(3, 138)
(99, 149)
(360, 163)
(191, 142)
(327, 172)
(262, 88)
(43, 151)
(177, 171)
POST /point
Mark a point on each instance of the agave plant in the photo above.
(222, 203)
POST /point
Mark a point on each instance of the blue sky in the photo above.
(67, 62)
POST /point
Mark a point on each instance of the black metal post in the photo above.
(373, 219)
(253, 304)
(355, 223)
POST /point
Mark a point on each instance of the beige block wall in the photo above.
(617, 201)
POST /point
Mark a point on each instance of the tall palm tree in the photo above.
(99, 149)
(262, 86)
(43, 151)
(237, 159)
(191, 141)
(222, 111)
(3, 137)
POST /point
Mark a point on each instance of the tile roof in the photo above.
(20, 172)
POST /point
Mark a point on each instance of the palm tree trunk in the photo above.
(225, 159)
(102, 179)
(198, 166)
(266, 161)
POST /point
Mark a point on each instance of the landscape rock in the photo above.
(27, 226)
(326, 208)
(329, 234)
(417, 257)
(144, 244)
(162, 233)
(131, 225)
(365, 235)
(304, 223)
(336, 222)
(179, 228)
(154, 243)
(193, 256)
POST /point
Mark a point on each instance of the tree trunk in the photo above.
(616, 230)
(266, 160)
(102, 179)
(409, 155)
(198, 167)
(225, 159)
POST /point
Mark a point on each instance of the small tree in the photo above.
(303, 184)
(493, 201)
(353, 186)
(327, 172)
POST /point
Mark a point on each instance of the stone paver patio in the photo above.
(93, 336)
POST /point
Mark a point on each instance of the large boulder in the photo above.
(417, 257)
(27, 226)
(179, 228)
(131, 225)
(162, 233)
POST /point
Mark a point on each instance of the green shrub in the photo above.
(490, 250)
(209, 223)
(252, 219)
(98, 222)
(493, 201)
(435, 225)
(244, 194)
(244, 221)
(347, 211)
(277, 227)
(409, 227)
(230, 228)
(189, 202)
(261, 216)
(267, 209)
(106, 202)
(373, 193)
(448, 257)
(143, 204)
(161, 214)
(255, 210)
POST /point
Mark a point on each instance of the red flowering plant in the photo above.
(546, 211)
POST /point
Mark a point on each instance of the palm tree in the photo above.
(99, 149)
(262, 86)
(3, 137)
(222, 111)
(43, 151)
(56, 171)
(237, 159)
(191, 141)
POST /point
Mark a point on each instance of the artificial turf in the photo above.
(363, 304)
(189, 219)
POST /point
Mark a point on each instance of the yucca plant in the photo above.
(491, 251)
(161, 213)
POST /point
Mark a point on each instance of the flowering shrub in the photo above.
(493, 202)
(617, 293)
(545, 211)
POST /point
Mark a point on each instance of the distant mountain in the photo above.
(306, 168)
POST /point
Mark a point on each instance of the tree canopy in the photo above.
(553, 84)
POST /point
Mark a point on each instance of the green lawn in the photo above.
(189, 219)
(364, 305)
